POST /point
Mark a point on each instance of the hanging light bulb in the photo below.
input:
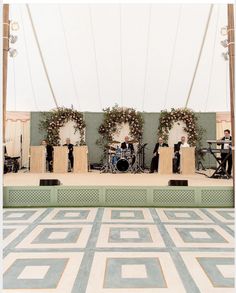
(225, 55)
(13, 52)
(13, 39)
(14, 26)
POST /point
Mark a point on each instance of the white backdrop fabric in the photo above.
(17, 125)
(176, 132)
(137, 55)
(68, 131)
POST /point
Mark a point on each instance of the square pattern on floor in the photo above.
(125, 250)
(31, 272)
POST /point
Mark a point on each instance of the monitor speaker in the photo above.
(178, 183)
(49, 182)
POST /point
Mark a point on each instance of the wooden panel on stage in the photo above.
(165, 160)
(187, 161)
(37, 159)
(80, 159)
(60, 159)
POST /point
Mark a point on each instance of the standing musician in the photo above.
(177, 152)
(127, 145)
(70, 153)
(227, 137)
(49, 154)
(155, 159)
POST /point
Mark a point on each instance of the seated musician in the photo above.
(127, 145)
(70, 153)
(226, 146)
(49, 154)
(155, 159)
(177, 152)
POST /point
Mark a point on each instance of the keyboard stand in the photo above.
(220, 172)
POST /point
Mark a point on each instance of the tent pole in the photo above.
(231, 70)
(5, 31)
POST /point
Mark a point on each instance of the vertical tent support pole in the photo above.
(231, 71)
(5, 59)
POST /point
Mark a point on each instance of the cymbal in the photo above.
(110, 147)
(133, 141)
(115, 141)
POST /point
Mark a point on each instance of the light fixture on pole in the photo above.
(13, 39)
(225, 55)
(14, 26)
(225, 43)
(224, 31)
(13, 52)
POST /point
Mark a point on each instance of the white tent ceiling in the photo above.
(137, 55)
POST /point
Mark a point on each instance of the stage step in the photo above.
(115, 196)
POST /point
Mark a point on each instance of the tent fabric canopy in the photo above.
(137, 55)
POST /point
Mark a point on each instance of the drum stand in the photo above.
(138, 168)
(107, 167)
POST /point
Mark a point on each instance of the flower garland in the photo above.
(117, 115)
(57, 118)
(167, 120)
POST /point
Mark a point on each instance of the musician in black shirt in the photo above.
(70, 153)
(227, 137)
(127, 145)
(155, 159)
(49, 155)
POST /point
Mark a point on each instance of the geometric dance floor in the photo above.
(118, 250)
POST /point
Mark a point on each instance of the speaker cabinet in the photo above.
(178, 183)
(49, 182)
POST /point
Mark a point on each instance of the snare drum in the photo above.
(127, 153)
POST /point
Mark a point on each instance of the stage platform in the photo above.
(131, 190)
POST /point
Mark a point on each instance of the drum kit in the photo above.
(122, 160)
(11, 164)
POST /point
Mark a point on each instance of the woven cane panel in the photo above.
(126, 197)
(217, 198)
(80, 197)
(27, 197)
(173, 197)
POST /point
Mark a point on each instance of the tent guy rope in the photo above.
(41, 55)
(199, 55)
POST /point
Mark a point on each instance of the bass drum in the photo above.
(122, 165)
